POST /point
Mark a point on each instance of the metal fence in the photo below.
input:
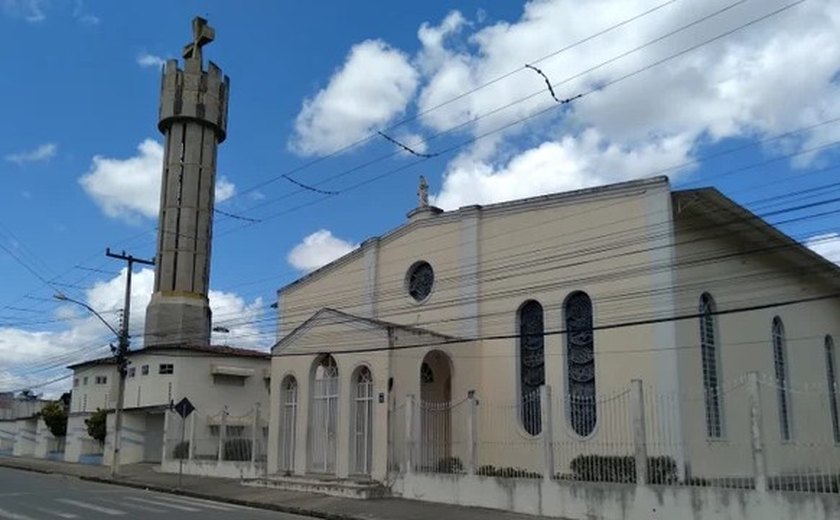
(636, 434)
(217, 437)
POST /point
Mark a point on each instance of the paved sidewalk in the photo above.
(230, 490)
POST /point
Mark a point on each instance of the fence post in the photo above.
(637, 406)
(472, 432)
(254, 437)
(165, 442)
(548, 431)
(409, 434)
(222, 434)
(191, 447)
(759, 469)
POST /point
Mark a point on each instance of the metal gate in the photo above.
(288, 424)
(363, 422)
(324, 417)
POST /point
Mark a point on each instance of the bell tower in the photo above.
(193, 120)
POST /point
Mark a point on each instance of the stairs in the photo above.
(324, 485)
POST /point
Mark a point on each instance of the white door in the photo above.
(288, 424)
(363, 422)
(324, 417)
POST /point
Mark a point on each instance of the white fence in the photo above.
(634, 435)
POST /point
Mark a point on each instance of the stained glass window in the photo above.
(709, 358)
(781, 369)
(580, 363)
(419, 281)
(531, 365)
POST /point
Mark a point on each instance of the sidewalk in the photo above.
(229, 490)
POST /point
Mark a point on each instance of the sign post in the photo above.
(184, 408)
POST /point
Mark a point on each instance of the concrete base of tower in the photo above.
(177, 319)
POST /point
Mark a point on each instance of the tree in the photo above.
(97, 425)
(55, 417)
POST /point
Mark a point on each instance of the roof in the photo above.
(216, 350)
(709, 203)
(511, 205)
(380, 324)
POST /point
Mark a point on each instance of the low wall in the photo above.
(25, 437)
(206, 468)
(591, 501)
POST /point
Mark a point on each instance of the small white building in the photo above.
(224, 384)
(20, 427)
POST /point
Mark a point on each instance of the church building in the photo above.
(447, 343)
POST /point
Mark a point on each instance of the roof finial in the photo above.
(423, 193)
(202, 35)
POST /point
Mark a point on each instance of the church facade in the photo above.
(549, 309)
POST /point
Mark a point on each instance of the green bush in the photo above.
(614, 468)
(97, 425)
(181, 451)
(489, 470)
(237, 449)
(55, 417)
(449, 465)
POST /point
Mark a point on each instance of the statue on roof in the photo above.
(423, 193)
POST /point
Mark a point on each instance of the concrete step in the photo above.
(333, 486)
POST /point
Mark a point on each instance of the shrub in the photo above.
(614, 468)
(449, 465)
(181, 451)
(97, 425)
(601, 468)
(237, 449)
(506, 472)
(55, 417)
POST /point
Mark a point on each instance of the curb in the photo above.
(228, 500)
(27, 468)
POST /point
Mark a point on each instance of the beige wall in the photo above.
(745, 344)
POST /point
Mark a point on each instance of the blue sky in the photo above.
(78, 134)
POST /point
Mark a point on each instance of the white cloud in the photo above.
(374, 85)
(144, 59)
(318, 249)
(26, 353)
(30, 10)
(750, 84)
(44, 152)
(84, 17)
(827, 245)
(571, 163)
(130, 188)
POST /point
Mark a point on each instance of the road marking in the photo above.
(136, 506)
(92, 507)
(162, 504)
(196, 502)
(13, 516)
(56, 513)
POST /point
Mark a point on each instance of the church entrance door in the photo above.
(435, 412)
(362, 421)
(324, 417)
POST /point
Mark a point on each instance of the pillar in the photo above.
(756, 435)
(637, 410)
(472, 432)
(547, 432)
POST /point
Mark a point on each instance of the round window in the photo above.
(419, 280)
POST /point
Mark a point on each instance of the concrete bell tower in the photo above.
(193, 120)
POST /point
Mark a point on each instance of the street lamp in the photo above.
(122, 362)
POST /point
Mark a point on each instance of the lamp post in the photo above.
(122, 362)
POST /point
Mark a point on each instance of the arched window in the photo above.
(580, 363)
(831, 374)
(531, 365)
(323, 416)
(288, 422)
(781, 369)
(709, 357)
(362, 421)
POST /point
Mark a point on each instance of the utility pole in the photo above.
(122, 353)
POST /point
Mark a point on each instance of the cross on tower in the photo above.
(202, 35)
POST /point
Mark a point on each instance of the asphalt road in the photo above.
(34, 496)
